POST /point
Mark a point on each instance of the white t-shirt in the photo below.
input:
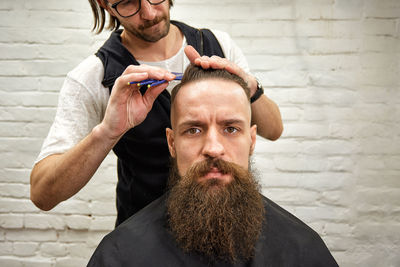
(83, 98)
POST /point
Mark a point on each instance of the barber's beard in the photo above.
(216, 220)
(142, 32)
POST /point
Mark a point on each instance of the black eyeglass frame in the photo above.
(140, 6)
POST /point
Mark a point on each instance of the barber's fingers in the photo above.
(216, 62)
(191, 54)
(153, 72)
(126, 78)
(152, 93)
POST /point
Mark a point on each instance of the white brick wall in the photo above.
(331, 65)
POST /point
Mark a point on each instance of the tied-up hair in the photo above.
(195, 73)
(99, 15)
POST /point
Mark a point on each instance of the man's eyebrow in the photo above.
(188, 123)
(231, 121)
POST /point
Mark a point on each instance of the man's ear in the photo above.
(171, 144)
(253, 136)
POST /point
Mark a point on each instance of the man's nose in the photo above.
(213, 145)
(147, 10)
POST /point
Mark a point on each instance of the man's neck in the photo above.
(154, 51)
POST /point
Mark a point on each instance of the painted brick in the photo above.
(341, 198)
(50, 84)
(35, 68)
(77, 222)
(2, 234)
(306, 130)
(73, 206)
(337, 229)
(330, 214)
(54, 249)
(22, 262)
(79, 250)
(25, 248)
(98, 191)
(27, 114)
(340, 45)
(15, 175)
(331, 65)
(6, 249)
(16, 205)
(269, 46)
(25, 129)
(290, 114)
(340, 164)
(13, 84)
(287, 196)
(74, 236)
(380, 43)
(102, 223)
(44, 221)
(31, 235)
(103, 208)
(11, 221)
(300, 164)
(39, 5)
(14, 190)
(380, 27)
(33, 99)
(94, 238)
(341, 10)
(286, 79)
(71, 262)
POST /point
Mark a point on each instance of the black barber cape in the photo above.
(144, 240)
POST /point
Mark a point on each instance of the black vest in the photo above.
(143, 156)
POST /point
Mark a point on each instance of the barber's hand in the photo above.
(127, 107)
(216, 62)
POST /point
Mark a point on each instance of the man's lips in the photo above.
(151, 24)
(213, 173)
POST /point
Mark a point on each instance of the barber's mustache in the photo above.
(150, 23)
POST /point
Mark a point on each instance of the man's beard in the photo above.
(219, 221)
(140, 31)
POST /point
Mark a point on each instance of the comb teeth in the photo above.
(153, 82)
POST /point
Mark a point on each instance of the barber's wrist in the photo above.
(257, 93)
(104, 133)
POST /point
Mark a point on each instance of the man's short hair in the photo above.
(195, 73)
(99, 15)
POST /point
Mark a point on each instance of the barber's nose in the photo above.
(213, 146)
(147, 11)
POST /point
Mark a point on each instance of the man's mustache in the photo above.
(150, 23)
(202, 168)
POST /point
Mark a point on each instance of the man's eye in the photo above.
(231, 130)
(193, 131)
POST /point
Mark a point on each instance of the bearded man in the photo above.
(213, 214)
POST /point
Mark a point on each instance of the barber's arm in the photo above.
(265, 113)
(60, 176)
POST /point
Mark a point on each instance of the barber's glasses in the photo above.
(128, 8)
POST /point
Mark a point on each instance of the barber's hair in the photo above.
(195, 73)
(99, 15)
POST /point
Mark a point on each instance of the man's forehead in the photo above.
(224, 99)
(216, 87)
